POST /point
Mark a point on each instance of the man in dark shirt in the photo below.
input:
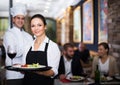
(82, 54)
(68, 64)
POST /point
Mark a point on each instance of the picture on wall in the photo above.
(88, 28)
(77, 25)
(103, 29)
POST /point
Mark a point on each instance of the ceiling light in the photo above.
(47, 7)
(48, 3)
(45, 11)
(49, 0)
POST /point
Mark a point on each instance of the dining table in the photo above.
(59, 82)
(87, 81)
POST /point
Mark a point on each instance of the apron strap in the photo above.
(30, 48)
(46, 46)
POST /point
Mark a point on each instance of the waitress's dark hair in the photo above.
(105, 45)
(40, 17)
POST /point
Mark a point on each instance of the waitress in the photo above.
(43, 51)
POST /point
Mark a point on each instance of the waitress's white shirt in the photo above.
(53, 54)
(18, 38)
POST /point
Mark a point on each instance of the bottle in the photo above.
(0, 52)
(97, 76)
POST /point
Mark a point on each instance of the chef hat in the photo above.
(18, 9)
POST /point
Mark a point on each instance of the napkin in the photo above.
(64, 80)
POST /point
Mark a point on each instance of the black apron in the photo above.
(33, 78)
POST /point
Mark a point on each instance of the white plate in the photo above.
(19, 66)
(109, 78)
(117, 77)
(77, 79)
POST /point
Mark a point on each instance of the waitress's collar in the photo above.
(46, 39)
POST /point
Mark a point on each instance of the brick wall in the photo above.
(114, 28)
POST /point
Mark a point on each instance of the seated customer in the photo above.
(107, 64)
(82, 53)
(68, 65)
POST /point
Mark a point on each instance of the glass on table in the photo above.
(105, 74)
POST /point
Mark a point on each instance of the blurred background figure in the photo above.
(83, 54)
(107, 64)
(69, 65)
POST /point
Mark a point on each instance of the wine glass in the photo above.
(11, 51)
(105, 74)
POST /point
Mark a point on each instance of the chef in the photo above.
(18, 38)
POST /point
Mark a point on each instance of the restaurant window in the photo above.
(4, 23)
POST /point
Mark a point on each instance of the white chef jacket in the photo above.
(18, 38)
(53, 54)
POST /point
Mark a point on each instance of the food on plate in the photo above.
(26, 65)
(75, 77)
(16, 65)
(103, 78)
(31, 65)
